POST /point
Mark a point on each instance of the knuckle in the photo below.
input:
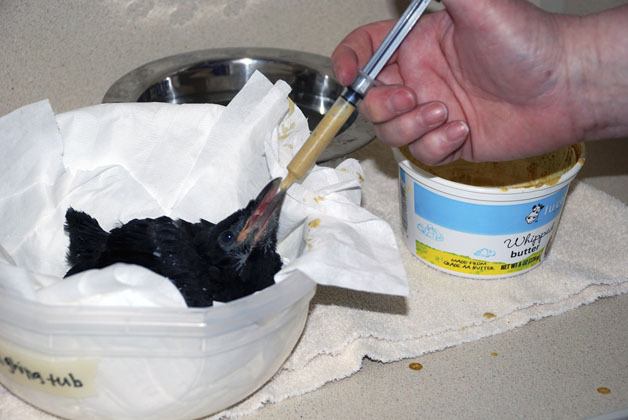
(429, 149)
(397, 133)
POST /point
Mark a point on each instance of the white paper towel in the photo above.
(123, 161)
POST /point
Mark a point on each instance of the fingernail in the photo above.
(457, 131)
(402, 101)
(434, 114)
(338, 74)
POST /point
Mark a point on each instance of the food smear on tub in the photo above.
(207, 262)
(532, 172)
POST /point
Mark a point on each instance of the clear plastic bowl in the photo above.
(148, 363)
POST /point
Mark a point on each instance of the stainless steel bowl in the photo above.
(216, 75)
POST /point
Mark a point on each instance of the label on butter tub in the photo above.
(474, 238)
(63, 376)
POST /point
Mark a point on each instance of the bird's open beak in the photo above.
(265, 214)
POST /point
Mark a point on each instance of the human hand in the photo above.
(482, 80)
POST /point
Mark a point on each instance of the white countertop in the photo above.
(71, 52)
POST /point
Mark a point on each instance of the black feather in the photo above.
(87, 240)
(206, 262)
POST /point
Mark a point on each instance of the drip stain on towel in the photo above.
(286, 130)
(415, 366)
(489, 315)
(291, 106)
(313, 224)
(604, 390)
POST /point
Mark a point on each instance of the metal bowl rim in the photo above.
(130, 87)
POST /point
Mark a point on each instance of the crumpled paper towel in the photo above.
(123, 161)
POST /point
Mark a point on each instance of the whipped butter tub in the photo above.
(485, 220)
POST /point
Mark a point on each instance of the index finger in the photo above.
(355, 50)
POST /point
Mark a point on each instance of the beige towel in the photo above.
(586, 262)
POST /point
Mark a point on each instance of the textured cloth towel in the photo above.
(585, 263)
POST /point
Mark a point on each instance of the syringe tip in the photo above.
(288, 180)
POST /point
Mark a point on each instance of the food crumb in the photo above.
(415, 366)
(604, 390)
(494, 353)
(489, 315)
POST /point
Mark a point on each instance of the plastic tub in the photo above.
(123, 363)
(496, 228)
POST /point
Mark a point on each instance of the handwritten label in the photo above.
(63, 376)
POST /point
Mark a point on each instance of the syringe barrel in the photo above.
(322, 135)
(389, 45)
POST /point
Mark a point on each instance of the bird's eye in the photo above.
(226, 238)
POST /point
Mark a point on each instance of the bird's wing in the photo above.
(166, 247)
(146, 242)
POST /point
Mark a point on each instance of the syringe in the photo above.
(347, 102)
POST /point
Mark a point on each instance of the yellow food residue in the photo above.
(494, 354)
(532, 172)
(314, 223)
(284, 130)
(291, 106)
(415, 366)
(319, 198)
(489, 315)
(603, 390)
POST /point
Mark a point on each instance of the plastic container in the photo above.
(496, 228)
(148, 363)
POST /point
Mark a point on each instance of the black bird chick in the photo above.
(225, 261)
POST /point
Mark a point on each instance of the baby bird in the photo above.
(207, 262)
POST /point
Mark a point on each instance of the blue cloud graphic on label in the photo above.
(430, 232)
(484, 253)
